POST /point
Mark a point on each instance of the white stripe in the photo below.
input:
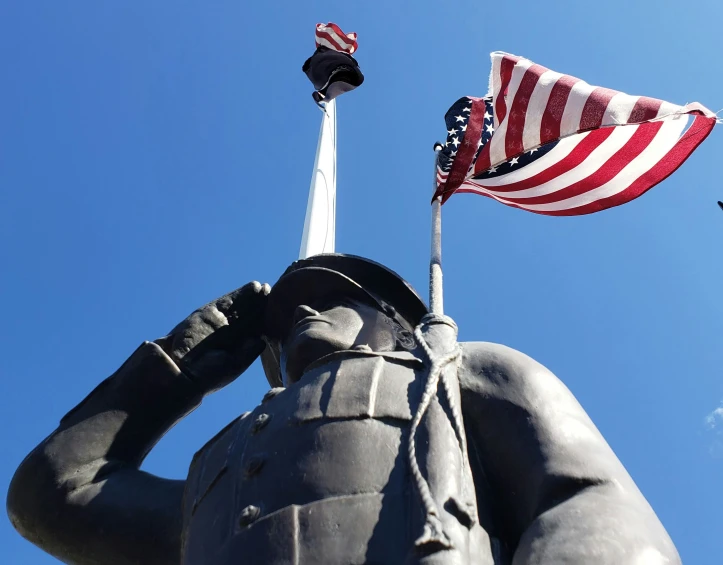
(557, 153)
(579, 94)
(326, 43)
(598, 158)
(497, 143)
(536, 108)
(619, 109)
(664, 141)
(518, 73)
(495, 81)
(340, 39)
(697, 106)
(666, 108)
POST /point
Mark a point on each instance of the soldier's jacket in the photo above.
(320, 473)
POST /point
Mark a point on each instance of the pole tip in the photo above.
(438, 146)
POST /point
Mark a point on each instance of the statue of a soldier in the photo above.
(383, 441)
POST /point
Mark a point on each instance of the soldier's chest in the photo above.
(336, 433)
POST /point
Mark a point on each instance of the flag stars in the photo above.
(531, 151)
(514, 161)
(457, 139)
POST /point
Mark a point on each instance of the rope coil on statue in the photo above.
(433, 531)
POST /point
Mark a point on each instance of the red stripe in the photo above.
(581, 152)
(552, 117)
(469, 189)
(697, 132)
(483, 160)
(645, 109)
(466, 151)
(595, 106)
(641, 139)
(518, 110)
(506, 67)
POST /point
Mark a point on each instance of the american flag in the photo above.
(553, 144)
(330, 35)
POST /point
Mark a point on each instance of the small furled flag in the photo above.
(331, 69)
(330, 36)
(553, 144)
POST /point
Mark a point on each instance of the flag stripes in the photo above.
(554, 144)
(330, 35)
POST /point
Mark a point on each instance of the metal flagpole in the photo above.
(436, 297)
(320, 223)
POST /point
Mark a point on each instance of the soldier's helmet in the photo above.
(328, 277)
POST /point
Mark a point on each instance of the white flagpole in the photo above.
(436, 297)
(320, 223)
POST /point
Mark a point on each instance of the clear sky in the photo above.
(155, 155)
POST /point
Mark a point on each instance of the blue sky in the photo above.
(156, 155)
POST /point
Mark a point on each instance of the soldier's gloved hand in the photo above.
(218, 342)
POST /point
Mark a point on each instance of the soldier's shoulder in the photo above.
(490, 364)
(485, 354)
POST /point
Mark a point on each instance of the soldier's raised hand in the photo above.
(218, 342)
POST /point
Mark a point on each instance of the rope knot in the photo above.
(433, 532)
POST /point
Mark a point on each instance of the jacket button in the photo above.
(272, 393)
(249, 515)
(254, 465)
(260, 422)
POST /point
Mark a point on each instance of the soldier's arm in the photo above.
(563, 494)
(80, 495)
